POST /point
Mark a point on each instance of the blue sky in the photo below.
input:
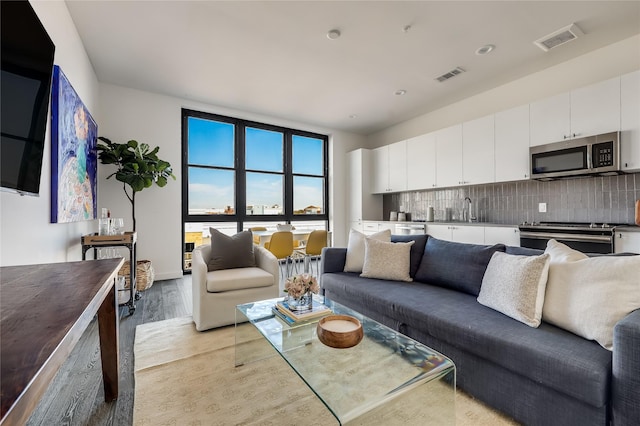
(211, 143)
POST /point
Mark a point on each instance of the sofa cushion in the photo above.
(515, 286)
(458, 266)
(523, 251)
(417, 250)
(237, 279)
(355, 248)
(387, 261)
(589, 295)
(547, 355)
(230, 252)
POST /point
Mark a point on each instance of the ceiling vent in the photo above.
(560, 37)
(446, 76)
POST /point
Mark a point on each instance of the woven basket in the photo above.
(144, 274)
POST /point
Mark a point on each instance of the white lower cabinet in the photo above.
(627, 242)
(501, 234)
(370, 227)
(457, 233)
(475, 234)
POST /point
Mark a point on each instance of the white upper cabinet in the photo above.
(449, 156)
(595, 109)
(478, 159)
(512, 144)
(380, 169)
(630, 121)
(389, 168)
(550, 119)
(421, 162)
(398, 166)
(583, 112)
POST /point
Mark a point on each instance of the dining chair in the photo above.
(256, 238)
(281, 245)
(313, 249)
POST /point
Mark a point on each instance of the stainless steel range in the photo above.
(585, 237)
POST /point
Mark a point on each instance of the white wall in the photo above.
(599, 65)
(26, 234)
(156, 120)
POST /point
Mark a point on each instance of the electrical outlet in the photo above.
(542, 207)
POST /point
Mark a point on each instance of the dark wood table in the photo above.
(44, 309)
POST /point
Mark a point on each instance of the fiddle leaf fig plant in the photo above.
(138, 167)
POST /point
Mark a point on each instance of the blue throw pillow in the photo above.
(458, 266)
(417, 249)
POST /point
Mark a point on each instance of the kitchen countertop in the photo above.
(437, 222)
(628, 228)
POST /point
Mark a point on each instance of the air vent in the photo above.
(446, 76)
(560, 37)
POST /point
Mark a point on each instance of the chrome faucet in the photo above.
(466, 212)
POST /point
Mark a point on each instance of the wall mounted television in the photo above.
(25, 88)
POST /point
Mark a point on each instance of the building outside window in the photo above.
(239, 174)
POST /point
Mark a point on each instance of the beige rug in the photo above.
(186, 377)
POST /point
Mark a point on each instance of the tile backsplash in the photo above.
(609, 199)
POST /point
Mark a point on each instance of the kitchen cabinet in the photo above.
(582, 112)
(550, 119)
(371, 227)
(478, 159)
(627, 242)
(630, 121)
(421, 162)
(389, 168)
(502, 234)
(449, 156)
(362, 204)
(512, 144)
(595, 109)
(471, 234)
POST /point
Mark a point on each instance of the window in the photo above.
(239, 174)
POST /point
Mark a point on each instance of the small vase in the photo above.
(302, 303)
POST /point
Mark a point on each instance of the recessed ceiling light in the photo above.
(400, 92)
(352, 116)
(333, 34)
(485, 49)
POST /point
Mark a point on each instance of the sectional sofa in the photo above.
(542, 375)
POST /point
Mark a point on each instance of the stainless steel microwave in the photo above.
(592, 155)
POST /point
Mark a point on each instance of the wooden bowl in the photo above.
(340, 331)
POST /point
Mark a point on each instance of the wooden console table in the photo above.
(128, 240)
(44, 309)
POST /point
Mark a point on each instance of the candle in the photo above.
(339, 326)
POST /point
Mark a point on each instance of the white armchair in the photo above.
(216, 293)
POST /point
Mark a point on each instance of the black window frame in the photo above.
(240, 214)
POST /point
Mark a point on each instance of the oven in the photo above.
(584, 237)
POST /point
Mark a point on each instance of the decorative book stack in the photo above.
(282, 311)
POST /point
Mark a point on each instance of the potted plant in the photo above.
(138, 167)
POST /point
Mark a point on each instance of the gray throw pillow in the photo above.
(231, 252)
(458, 266)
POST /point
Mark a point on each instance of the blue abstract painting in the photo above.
(74, 157)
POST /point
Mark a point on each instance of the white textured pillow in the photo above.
(355, 248)
(386, 260)
(589, 296)
(562, 253)
(515, 285)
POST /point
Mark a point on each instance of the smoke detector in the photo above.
(560, 37)
(450, 74)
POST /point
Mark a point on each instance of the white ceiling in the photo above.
(273, 57)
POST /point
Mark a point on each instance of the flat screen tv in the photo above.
(25, 87)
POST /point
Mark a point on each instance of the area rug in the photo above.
(186, 377)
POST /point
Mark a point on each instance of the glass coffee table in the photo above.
(386, 379)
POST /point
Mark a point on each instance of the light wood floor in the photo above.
(76, 396)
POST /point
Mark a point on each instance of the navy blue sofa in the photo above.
(537, 376)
